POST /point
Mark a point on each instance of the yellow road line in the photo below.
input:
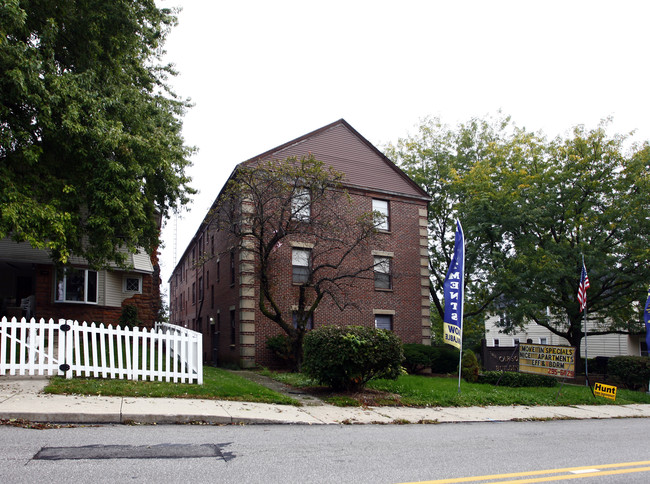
(548, 471)
(576, 476)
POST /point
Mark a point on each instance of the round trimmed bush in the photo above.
(346, 358)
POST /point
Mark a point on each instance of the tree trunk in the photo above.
(296, 349)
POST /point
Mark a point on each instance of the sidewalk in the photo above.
(20, 398)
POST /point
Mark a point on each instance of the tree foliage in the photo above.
(268, 204)
(531, 208)
(91, 152)
(436, 157)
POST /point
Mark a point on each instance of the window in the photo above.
(212, 245)
(132, 284)
(218, 270)
(76, 285)
(301, 262)
(310, 321)
(382, 219)
(516, 341)
(232, 267)
(300, 205)
(383, 277)
(200, 289)
(384, 321)
(232, 327)
(543, 341)
(496, 342)
(194, 293)
(212, 296)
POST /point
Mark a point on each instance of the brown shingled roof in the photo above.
(339, 145)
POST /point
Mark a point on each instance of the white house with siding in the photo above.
(600, 345)
(31, 286)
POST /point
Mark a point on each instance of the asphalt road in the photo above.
(336, 454)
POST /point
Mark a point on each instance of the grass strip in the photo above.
(423, 391)
(218, 384)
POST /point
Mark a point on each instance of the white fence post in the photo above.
(166, 353)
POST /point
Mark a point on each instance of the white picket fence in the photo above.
(71, 349)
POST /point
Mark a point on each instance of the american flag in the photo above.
(582, 289)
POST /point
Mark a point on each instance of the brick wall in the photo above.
(147, 303)
(407, 301)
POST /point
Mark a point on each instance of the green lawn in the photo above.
(443, 392)
(407, 390)
(218, 384)
(425, 391)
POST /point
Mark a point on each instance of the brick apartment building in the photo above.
(213, 288)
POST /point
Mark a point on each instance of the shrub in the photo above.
(631, 371)
(515, 380)
(280, 346)
(417, 357)
(441, 359)
(446, 360)
(129, 317)
(346, 358)
(469, 366)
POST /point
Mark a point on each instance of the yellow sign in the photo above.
(556, 361)
(607, 391)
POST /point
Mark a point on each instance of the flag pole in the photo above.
(462, 310)
(646, 319)
(453, 291)
(584, 319)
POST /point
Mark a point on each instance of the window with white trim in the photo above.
(383, 275)
(132, 284)
(76, 285)
(301, 205)
(384, 321)
(301, 265)
(382, 215)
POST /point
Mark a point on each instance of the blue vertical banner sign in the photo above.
(646, 318)
(454, 292)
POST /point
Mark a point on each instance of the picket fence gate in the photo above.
(67, 348)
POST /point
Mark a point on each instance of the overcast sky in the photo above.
(261, 73)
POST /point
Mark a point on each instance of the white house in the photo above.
(602, 345)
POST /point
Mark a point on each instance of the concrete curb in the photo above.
(127, 410)
(21, 399)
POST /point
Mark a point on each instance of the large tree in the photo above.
(553, 203)
(532, 208)
(267, 205)
(91, 152)
(435, 157)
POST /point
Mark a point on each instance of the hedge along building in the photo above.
(214, 288)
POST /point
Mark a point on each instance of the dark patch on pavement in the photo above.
(160, 451)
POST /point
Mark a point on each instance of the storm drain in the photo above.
(160, 451)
